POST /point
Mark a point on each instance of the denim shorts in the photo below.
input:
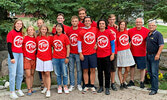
(140, 62)
(90, 61)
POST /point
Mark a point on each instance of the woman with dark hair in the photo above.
(60, 59)
(124, 56)
(105, 54)
(15, 58)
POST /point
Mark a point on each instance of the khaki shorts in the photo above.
(29, 64)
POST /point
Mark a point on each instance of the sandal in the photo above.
(29, 94)
(33, 91)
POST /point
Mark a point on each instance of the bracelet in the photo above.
(67, 57)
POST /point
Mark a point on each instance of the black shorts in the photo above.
(90, 61)
(140, 62)
(114, 63)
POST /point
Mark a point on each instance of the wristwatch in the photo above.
(67, 57)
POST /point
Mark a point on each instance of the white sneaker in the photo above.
(44, 90)
(20, 93)
(71, 88)
(66, 91)
(59, 90)
(79, 87)
(48, 93)
(13, 95)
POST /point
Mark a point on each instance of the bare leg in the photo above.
(142, 75)
(28, 79)
(47, 80)
(125, 74)
(132, 73)
(85, 75)
(120, 74)
(92, 75)
(112, 77)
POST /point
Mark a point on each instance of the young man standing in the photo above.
(87, 52)
(39, 23)
(72, 33)
(60, 19)
(82, 14)
(113, 28)
(155, 44)
(138, 37)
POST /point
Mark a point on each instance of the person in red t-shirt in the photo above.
(74, 56)
(44, 57)
(138, 36)
(60, 59)
(105, 54)
(15, 58)
(113, 27)
(87, 52)
(82, 14)
(60, 19)
(124, 56)
(29, 50)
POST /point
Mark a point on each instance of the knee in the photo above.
(47, 74)
(85, 71)
(92, 70)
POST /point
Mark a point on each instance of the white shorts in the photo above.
(44, 66)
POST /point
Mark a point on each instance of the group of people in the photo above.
(87, 45)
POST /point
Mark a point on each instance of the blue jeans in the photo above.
(153, 68)
(60, 68)
(74, 58)
(16, 71)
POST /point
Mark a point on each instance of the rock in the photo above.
(4, 68)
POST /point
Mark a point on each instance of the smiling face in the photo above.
(139, 23)
(152, 26)
(102, 25)
(60, 19)
(18, 25)
(87, 22)
(81, 14)
(30, 31)
(43, 31)
(122, 26)
(59, 29)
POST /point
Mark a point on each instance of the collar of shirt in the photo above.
(87, 27)
(152, 33)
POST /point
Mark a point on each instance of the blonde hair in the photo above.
(111, 16)
(82, 8)
(22, 25)
(34, 34)
(74, 17)
(47, 33)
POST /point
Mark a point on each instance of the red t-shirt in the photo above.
(94, 24)
(29, 47)
(73, 36)
(123, 40)
(114, 34)
(16, 39)
(138, 41)
(88, 40)
(66, 28)
(44, 52)
(59, 43)
(103, 43)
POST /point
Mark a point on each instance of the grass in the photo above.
(165, 46)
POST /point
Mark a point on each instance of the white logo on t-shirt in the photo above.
(89, 38)
(58, 46)
(102, 41)
(43, 45)
(124, 39)
(137, 40)
(30, 46)
(73, 39)
(18, 40)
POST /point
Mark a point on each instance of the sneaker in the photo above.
(13, 95)
(85, 90)
(20, 93)
(66, 91)
(60, 90)
(71, 88)
(93, 90)
(121, 87)
(125, 86)
(79, 87)
(107, 92)
(44, 90)
(48, 93)
(131, 83)
(113, 86)
(142, 85)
